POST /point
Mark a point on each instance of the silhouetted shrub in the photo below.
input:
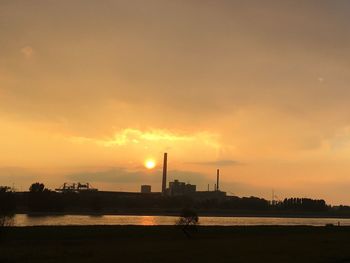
(188, 221)
(37, 188)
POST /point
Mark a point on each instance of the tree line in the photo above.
(41, 199)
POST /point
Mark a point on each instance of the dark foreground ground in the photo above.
(168, 244)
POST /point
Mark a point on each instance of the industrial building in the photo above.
(76, 188)
(165, 169)
(177, 188)
(146, 189)
(180, 188)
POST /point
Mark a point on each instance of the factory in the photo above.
(174, 188)
(146, 189)
(76, 188)
(180, 188)
(177, 188)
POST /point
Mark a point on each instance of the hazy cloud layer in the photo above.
(218, 163)
(114, 175)
(111, 83)
(17, 177)
(124, 176)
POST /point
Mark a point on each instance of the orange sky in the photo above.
(90, 89)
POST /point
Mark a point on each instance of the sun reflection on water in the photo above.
(147, 221)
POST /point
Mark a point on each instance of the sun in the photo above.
(150, 164)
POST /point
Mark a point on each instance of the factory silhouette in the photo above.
(175, 188)
(84, 198)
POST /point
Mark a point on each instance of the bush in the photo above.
(6, 220)
(188, 221)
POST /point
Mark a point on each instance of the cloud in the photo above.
(136, 81)
(136, 136)
(17, 176)
(27, 51)
(113, 175)
(218, 163)
(188, 176)
(200, 143)
(123, 175)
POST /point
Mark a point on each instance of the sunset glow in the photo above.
(89, 90)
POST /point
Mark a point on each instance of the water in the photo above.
(59, 220)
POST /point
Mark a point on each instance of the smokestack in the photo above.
(217, 179)
(165, 164)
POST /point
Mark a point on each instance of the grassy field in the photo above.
(169, 244)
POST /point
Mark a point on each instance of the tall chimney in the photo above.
(217, 179)
(165, 164)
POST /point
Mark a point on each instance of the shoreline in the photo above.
(176, 214)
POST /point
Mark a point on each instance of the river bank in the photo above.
(169, 244)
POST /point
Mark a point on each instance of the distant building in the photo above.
(146, 189)
(76, 188)
(180, 188)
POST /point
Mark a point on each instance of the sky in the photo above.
(260, 89)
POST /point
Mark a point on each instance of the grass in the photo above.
(169, 244)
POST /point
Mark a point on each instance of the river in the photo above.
(60, 220)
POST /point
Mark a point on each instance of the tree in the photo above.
(188, 221)
(37, 188)
(5, 221)
(41, 199)
(4, 189)
(7, 207)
